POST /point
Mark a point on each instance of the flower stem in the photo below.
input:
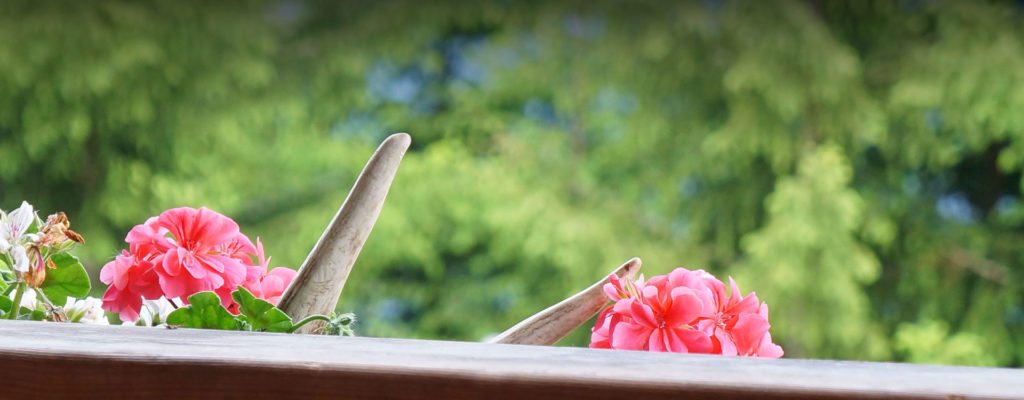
(304, 321)
(58, 311)
(16, 307)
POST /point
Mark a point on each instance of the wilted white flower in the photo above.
(153, 312)
(87, 311)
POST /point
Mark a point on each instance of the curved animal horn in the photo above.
(555, 322)
(318, 284)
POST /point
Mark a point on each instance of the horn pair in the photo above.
(319, 282)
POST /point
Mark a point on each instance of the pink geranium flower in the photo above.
(601, 333)
(269, 285)
(130, 279)
(195, 259)
(685, 312)
(739, 323)
(750, 334)
(663, 315)
(181, 252)
(275, 282)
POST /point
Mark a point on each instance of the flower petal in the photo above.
(657, 341)
(748, 332)
(19, 220)
(20, 258)
(685, 307)
(173, 286)
(642, 314)
(769, 349)
(674, 341)
(726, 346)
(630, 336)
(696, 341)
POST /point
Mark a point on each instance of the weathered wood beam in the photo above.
(52, 360)
(320, 280)
(555, 322)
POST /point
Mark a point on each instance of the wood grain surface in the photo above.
(50, 360)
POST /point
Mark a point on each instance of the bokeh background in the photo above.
(857, 163)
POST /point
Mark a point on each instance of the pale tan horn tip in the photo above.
(401, 139)
(629, 268)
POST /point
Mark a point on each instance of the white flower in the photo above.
(87, 311)
(14, 225)
(153, 312)
(12, 230)
(28, 299)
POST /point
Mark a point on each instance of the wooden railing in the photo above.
(51, 360)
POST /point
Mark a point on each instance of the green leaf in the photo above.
(5, 304)
(259, 314)
(6, 275)
(69, 278)
(205, 312)
(25, 313)
(34, 315)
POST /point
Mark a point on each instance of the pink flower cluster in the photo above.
(183, 251)
(684, 312)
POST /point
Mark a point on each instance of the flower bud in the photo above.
(36, 275)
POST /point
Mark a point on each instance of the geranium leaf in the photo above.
(69, 278)
(204, 312)
(34, 315)
(260, 314)
(5, 304)
(24, 313)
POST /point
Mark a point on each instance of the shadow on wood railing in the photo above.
(49, 360)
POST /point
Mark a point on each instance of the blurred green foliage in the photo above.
(857, 163)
